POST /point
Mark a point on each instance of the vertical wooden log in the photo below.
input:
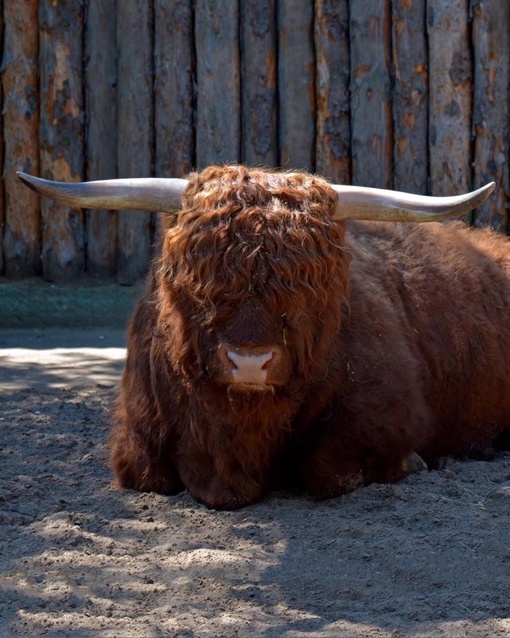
(173, 88)
(332, 88)
(410, 95)
(135, 129)
(22, 237)
(296, 82)
(258, 50)
(101, 130)
(372, 127)
(61, 132)
(2, 144)
(218, 82)
(491, 123)
(450, 96)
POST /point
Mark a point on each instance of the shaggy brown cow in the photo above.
(279, 343)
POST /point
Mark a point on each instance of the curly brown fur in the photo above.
(394, 342)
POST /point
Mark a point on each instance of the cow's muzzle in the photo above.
(245, 367)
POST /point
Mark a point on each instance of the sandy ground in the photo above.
(427, 557)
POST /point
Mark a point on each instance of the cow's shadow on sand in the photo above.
(430, 552)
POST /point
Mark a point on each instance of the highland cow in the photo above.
(283, 342)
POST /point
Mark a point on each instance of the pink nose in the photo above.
(246, 364)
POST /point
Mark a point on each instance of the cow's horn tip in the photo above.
(488, 188)
(25, 177)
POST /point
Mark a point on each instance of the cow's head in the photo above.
(253, 270)
(255, 266)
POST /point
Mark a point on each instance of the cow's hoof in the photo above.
(413, 464)
(439, 464)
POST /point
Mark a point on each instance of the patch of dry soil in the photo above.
(428, 557)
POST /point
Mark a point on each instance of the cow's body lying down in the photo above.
(406, 349)
(277, 344)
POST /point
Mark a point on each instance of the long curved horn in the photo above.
(358, 202)
(151, 194)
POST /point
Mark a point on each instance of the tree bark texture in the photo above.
(259, 55)
(296, 84)
(22, 236)
(450, 96)
(173, 88)
(135, 127)
(218, 82)
(101, 125)
(410, 95)
(491, 120)
(2, 153)
(61, 133)
(372, 127)
(333, 144)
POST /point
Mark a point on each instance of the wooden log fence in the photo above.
(450, 100)
(296, 83)
(20, 144)
(406, 94)
(61, 133)
(410, 96)
(491, 117)
(259, 134)
(2, 154)
(174, 64)
(100, 78)
(333, 121)
(371, 115)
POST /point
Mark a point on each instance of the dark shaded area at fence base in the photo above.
(33, 303)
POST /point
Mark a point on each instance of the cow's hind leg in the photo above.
(325, 475)
(333, 469)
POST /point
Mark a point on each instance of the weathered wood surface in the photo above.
(173, 88)
(22, 237)
(61, 133)
(259, 95)
(491, 119)
(410, 95)
(333, 143)
(218, 82)
(450, 96)
(296, 81)
(101, 108)
(2, 154)
(135, 124)
(372, 126)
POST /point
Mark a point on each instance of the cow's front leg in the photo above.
(139, 465)
(217, 480)
(216, 495)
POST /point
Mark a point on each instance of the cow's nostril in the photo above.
(269, 363)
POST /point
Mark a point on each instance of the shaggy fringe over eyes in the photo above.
(254, 232)
(245, 230)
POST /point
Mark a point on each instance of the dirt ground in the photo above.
(428, 557)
